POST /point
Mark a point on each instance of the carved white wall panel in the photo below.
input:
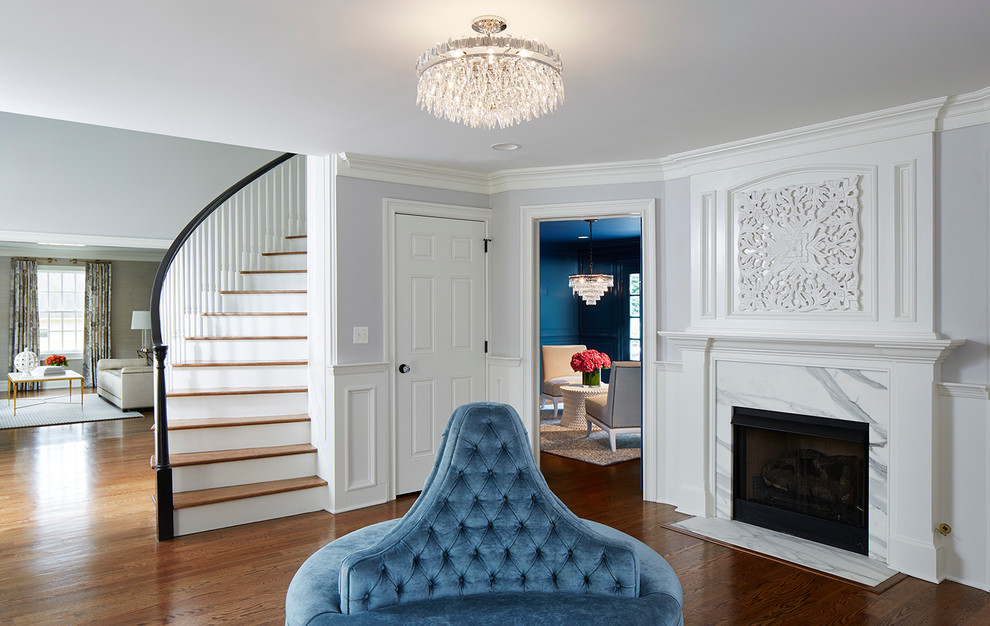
(799, 247)
(709, 261)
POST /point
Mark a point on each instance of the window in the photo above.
(61, 309)
(634, 318)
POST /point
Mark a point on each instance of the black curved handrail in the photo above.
(163, 468)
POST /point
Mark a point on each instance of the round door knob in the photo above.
(403, 369)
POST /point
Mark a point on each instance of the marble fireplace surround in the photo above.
(887, 382)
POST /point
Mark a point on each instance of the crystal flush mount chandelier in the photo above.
(591, 286)
(491, 80)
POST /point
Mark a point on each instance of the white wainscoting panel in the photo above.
(361, 447)
(964, 484)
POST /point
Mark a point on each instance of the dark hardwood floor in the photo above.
(77, 545)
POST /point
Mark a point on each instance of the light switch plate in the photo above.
(360, 334)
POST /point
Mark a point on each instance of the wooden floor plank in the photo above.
(77, 545)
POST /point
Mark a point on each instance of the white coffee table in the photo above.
(573, 415)
(17, 378)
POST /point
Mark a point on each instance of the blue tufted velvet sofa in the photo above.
(486, 542)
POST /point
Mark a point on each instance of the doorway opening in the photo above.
(599, 425)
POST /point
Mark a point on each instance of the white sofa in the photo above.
(127, 383)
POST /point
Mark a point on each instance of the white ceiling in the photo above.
(644, 78)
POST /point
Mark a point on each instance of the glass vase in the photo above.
(592, 378)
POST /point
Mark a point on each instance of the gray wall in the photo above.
(360, 241)
(130, 287)
(67, 178)
(962, 239)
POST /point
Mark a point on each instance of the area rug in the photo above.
(57, 410)
(574, 443)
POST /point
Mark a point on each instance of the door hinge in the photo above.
(486, 240)
(486, 347)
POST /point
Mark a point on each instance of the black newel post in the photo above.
(163, 469)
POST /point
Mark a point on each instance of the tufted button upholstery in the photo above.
(486, 522)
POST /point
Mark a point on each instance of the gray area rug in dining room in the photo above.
(574, 443)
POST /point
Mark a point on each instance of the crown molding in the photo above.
(894, 123)
(107, 248)
(927, 116)
(411, 173)
(620, 172)
(968, 109)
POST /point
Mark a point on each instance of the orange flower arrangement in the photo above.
(56, 359)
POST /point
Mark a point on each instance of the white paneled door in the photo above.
(440, 334)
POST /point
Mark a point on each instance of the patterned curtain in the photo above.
(23, 312)
(96, 341)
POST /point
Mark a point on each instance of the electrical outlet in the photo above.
(360, 334)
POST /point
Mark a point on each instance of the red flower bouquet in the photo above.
(57, 359)
(589, 361)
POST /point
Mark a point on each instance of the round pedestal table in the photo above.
(573, 415)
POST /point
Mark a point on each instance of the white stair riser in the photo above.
(283, 262)
(218, 350)
(295, 245)
(237, 406)
(238, 377)
(234, 437)
(255, 326)
(223, 514)
(193, 477)
(263, 302)
(273, 281)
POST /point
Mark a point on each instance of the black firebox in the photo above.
(802, 475)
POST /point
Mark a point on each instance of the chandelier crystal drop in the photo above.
(490, 81)
(591, 286)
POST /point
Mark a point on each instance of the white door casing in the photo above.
(440, 327)
(529, 326)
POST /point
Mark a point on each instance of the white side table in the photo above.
(574, 415)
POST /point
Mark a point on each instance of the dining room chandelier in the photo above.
(591, 286)
(490, 80)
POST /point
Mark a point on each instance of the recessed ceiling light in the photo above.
(505, 147)
(582, 236)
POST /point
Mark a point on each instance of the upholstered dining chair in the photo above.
(557, 372)
(621, 410)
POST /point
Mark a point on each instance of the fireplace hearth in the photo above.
(802, 475)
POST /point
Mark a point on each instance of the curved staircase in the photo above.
(238, 433)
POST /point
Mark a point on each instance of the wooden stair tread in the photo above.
(225, 422)
(283, 253)
(249, 338)
(201, 497)
(240, 364)
(272, 272)
(185, 459)
(295, 236)
(257, 291)
(252, 314)
(233, 391)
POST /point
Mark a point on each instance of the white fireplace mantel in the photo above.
(890, 382)
(921, 349)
